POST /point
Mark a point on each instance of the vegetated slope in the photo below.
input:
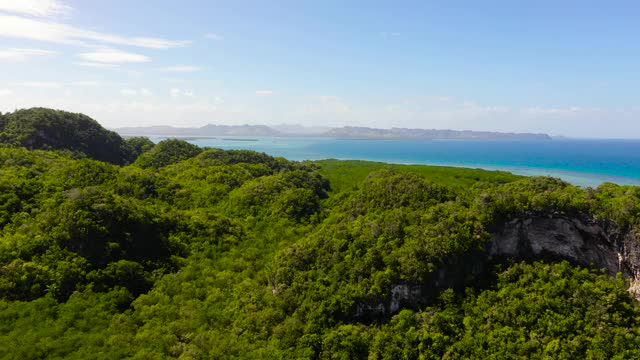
(235, 254)
(41, 128)
(349, 174)
(166, 153)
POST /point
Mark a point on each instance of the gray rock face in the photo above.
(558, 238)
(402, 296)
(630, 259)
(403, 293)
(553, 238)
(578, 241)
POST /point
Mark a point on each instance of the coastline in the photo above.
(405, 153)
(578, 178)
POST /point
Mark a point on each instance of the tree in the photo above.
(41, 128)
(167, 152)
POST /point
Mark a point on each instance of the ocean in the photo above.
(581, 162)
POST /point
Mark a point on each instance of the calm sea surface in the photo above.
(582, 162)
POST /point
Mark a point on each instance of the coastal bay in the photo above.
(584, 162)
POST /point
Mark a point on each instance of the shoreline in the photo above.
(578, 178)
(300, 151)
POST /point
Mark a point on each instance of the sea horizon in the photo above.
(579, 161)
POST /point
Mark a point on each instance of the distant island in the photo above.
(347, 132)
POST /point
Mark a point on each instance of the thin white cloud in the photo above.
(41, 8)
(113, 56)
(326, 105)
(265, 92)
(181, 69)
(87, 83)
(95, 65)
(136, 92)
(42, 84)
(21, 55)
(213, 36)
(387, 34)
(5, 92)
(176, 93)
(542, 111)
(129, 92)
(40, 30)
(78, 84)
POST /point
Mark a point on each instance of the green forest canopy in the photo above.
(205, 253)
(78, 134)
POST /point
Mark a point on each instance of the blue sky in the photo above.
(560, 67)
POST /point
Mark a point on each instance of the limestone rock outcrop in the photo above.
(584, 242)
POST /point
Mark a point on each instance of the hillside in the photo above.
(207, 253)
(255, 257)
(47, 129)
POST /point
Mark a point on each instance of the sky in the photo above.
(565, 67)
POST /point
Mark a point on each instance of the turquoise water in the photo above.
(582, 162)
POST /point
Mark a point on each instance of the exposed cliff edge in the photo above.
(585, 243)
(553, 238)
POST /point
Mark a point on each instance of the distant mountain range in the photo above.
(347, 132)
(428, 134)
(207, 130)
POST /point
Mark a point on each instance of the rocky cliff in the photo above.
(583, 242)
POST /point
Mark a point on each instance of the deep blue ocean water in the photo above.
(582, 162)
